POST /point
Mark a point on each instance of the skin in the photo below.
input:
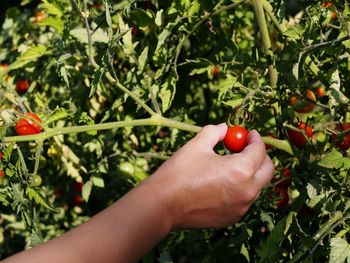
(196, 188)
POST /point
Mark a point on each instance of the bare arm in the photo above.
(196, 188)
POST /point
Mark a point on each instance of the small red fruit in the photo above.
(321, 91)
(283, 197)
(215, 71)
(303, 105)
(27, 126)
(22, 86)
(2, 173)
(78, 186)
(343, 143)
(1, 155)
(236, 138)
(297, 138)
(77, 200)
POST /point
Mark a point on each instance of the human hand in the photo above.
(203, 189)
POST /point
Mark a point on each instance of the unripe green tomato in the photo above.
(140, 175)
(35, 181)
(127, 168)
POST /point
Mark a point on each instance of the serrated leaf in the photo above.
(32, 54)
(167, 92)
(51, 8)
(96, 78)
(39, 199)
(143, 59)
(87, 190)
(333, 160)
(58, 114)
(54, 22)
(340, 250)
(97, 181)
(81, 35)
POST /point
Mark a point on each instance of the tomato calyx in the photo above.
(236, 138)
(27, 125)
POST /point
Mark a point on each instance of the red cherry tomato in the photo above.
(215, 71)
(2, 173)
(236, 138)
(27, 126)
(344, 142)
(78, 186)
(297, 138)
(77, 200)
(22, 86)
(282, 195)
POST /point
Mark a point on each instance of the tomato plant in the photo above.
(236, 138)
(28, 125)
(122, 85)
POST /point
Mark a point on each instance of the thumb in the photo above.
(210, 135)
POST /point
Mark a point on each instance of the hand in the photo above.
(203, 189)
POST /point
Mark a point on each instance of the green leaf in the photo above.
(333, 160)
(32, 54)
(98, 36)
(96, 78)
(54, 22)
(58, 114)
(87, 190)
(143, 18)
(167, 92)
(340, 250)
(143, 59)
(97, 181)
(51, 8)
(39, 199)
(269, 249)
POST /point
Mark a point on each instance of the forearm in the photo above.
(122, 233)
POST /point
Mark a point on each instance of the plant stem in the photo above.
(260, 16)
(153, 121)
(269, 11)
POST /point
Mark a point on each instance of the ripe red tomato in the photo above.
(78, 186)
(27, 126)
(236, 138)
(297, 138)
(22, 86)
(2, 173)
(1, 155)
(303, 105)
(39, 16)
(343, 143)
(286, 179)
(77, 200)
(282, 195)
(215, 71)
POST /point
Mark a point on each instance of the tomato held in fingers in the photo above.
(282, 196)
(22, 86)
(343, 142)
(27, 126)
(297, 138)
(236, 138)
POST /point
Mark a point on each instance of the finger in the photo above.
(210, 135)
(265, 173)
(255, 151)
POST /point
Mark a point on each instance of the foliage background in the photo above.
(165, 52)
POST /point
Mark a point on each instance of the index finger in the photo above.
(255, 151)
